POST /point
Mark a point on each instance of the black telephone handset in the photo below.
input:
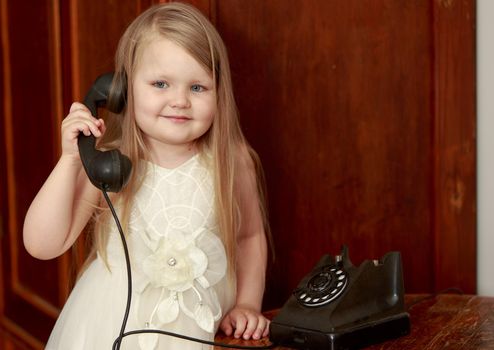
(339, 306)
(107, 170)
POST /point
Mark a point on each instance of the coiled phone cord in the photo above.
(123, 334)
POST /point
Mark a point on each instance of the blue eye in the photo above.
(197, 88)
(160, 84)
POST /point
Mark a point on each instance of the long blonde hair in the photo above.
(188, 28)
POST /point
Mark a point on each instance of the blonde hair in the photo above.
(187, 27)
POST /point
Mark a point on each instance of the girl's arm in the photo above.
(67, 199)
(245, 319)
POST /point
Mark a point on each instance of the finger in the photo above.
(95, 128)
(252, 321)
(83, 115)
(88, 129)
(266, 330)
(78, 110)
(102, 127)
(78, 106)
(261, 327)
(226, 326)
(87, 126)
(240, 324)
(82, 127)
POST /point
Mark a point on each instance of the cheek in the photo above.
(144, 106)
(209, 109)
(209, 122)
(209, 118)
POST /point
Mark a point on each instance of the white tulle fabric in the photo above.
(178, 265)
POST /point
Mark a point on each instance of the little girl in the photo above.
(192, 211)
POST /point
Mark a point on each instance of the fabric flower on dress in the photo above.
(175, 264)
(183, 267)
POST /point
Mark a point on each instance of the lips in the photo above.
(177, 118)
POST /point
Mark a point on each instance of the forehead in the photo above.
(160, 53)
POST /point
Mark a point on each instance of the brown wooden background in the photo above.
(363, 113)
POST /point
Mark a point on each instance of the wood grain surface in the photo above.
(446, 321)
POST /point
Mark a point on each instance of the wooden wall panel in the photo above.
(30, 287)
(454, 144)
(3, 165)
(348, 105)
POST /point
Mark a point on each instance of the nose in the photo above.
(180, 98)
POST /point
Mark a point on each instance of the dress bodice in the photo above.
(176, 254)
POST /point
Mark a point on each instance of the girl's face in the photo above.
(174, 97)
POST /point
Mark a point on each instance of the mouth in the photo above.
(177, 118)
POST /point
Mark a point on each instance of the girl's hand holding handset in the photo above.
(79, 120)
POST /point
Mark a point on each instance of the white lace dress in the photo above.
(178, 266)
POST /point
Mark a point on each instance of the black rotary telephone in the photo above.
(339, 306)
(107, 170)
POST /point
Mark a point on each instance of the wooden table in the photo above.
(446, 321)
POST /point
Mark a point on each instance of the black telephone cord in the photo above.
(123, 334)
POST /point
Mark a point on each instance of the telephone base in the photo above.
(355, 337)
